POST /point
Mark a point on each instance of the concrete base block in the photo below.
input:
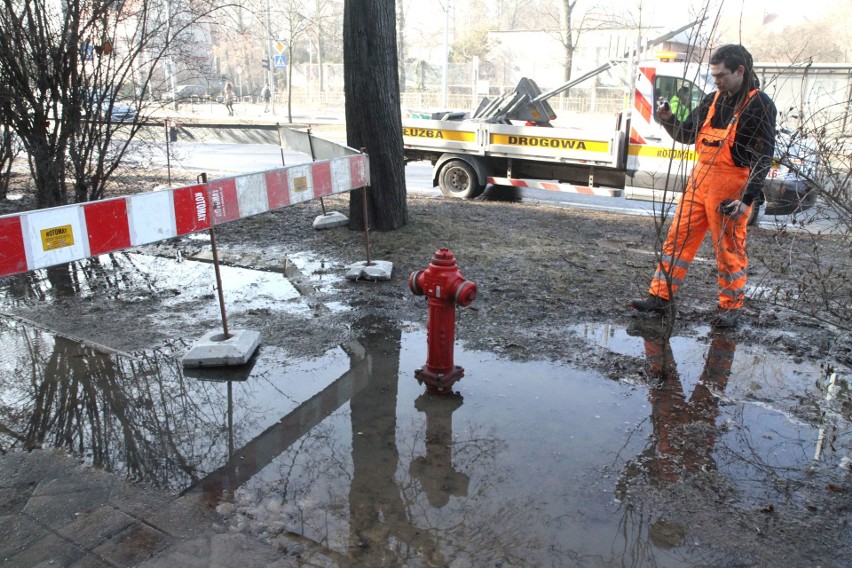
(376, 270)
(213, 350)
(330, 220)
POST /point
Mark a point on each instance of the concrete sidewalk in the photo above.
(55, 512)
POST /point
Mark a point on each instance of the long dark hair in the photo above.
(733, 55)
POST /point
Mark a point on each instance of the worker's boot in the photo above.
(652, 304)
(725, 318)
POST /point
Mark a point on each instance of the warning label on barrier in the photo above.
(57, 237)
(300, 184)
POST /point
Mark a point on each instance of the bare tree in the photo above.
(515, 14)
(820, 153)
(64, 69)
(9, 149)
(401, 10)
(567, 23)
(373, 121)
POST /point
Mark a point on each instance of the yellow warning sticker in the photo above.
(434, 133)
(300, 184)
(548, 142)
(57, 237)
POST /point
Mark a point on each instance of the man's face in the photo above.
(727, 81)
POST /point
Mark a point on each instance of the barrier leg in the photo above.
(369, 269)
(221, 349)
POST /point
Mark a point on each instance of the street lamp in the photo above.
(271, 71)
(445, 79)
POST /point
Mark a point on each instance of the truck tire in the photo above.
(457, 179)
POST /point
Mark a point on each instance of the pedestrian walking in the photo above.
(733, 129)
(266, 93)
(229, 98)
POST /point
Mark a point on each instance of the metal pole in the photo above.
(280, 142)
(366, 223)
(202, 178)
(168, 153)
(271, 70)
(313, 159)
(445, 79)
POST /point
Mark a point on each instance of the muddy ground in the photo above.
(539, 270)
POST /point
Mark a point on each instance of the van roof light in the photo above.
(669, 56)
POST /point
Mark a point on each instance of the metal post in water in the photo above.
(203, 179)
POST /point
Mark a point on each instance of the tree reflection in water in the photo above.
(138, 417)
(370, 505)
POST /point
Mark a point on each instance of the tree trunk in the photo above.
(567, 24)
(373, 122)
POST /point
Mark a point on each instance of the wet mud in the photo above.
(579, 435)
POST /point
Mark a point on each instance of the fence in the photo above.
(819, 93)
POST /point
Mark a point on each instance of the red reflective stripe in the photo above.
(106, 225)
(277, 190)
(358, 170)
(13, 256)
(635, 137)
(642, 105)
(192, 212)
(223, 197)
(321, 175)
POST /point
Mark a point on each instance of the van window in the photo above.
(668, 87)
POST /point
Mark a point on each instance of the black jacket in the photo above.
(754, 143)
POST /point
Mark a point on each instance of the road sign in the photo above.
(280, 61)
(279, 46)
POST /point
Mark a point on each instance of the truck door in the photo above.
(657, 165)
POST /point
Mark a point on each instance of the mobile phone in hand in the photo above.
(728, 207)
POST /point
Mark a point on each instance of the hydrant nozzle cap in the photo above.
(444, 257)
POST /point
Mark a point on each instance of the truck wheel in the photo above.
(457, 179)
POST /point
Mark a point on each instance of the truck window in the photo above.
(668, 88)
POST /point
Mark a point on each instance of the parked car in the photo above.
(119, 112)
(787, 189)
(184, 92)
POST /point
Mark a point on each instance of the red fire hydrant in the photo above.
(444, 286)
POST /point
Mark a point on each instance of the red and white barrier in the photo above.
(556, 186)
(47, 237)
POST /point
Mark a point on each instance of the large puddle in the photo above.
(527, 464)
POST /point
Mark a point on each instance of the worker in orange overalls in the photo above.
(733, 130)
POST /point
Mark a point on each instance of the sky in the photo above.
(666, 13)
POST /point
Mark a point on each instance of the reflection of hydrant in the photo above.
(444, 286)
(435, 471)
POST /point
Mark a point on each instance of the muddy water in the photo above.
(528, 464)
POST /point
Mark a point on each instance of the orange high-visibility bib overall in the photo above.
(714, 179)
